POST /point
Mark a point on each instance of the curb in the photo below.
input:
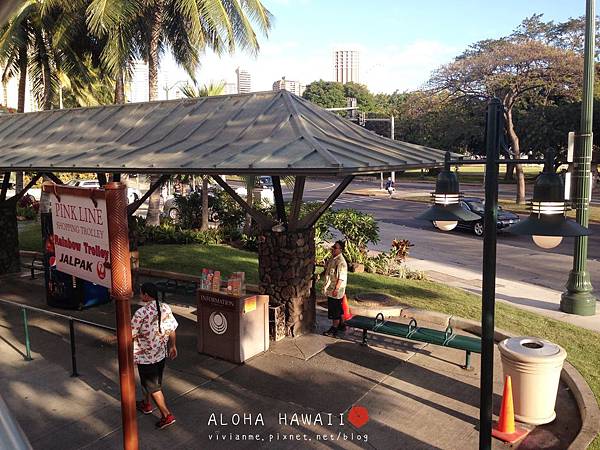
(589, 411)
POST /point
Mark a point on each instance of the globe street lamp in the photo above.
(446, 211)
(547, 224)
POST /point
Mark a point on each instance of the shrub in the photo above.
(190, 210)
(354, 254)
(391, 263)
(28, 207)
(173, 234)
(231, 215)
(26, 213)
(356, 227)
(249, 242)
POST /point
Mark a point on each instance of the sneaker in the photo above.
(331, 332)
(144, 407)
(164, 422)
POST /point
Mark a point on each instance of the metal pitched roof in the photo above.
(265, 132)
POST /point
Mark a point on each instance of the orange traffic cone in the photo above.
(346, 308)
(505, 429)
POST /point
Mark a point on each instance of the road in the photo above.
(518, 258)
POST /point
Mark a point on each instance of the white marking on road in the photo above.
(331, 185)
(357, 200)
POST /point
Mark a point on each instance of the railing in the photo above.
(72, 320)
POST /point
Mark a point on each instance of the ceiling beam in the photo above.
(264, 222)
(133, 207)
(279, 203)
(296, 202)
(311, 219)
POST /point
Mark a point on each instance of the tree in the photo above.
(191, 91)
(48, 43)
(364, 99)
(519, 71)
(185, 27)
(326, 94)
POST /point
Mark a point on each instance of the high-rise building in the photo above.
(244, 81)
(137, 88)
(346, 66)
(230, 88)
(295, 87)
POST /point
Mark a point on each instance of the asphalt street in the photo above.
(403, 212)
(518, 258)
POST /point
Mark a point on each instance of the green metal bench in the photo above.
(411, 331)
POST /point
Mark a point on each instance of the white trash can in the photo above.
(534, 366)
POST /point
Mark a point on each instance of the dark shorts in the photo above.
(334, 308)
(151, 376)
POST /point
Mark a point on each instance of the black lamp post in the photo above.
(446, 211)
(547, 223)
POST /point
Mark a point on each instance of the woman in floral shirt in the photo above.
(153, 329)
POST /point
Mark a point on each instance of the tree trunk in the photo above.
(516, 154)
(153, 217)
(20, 105)
(249, 198)
(155, 31)
(510, 172)
(19, 182)
(23, 62)
(204, 225)
(119, 89)
(286, 265)
(9, 250)
(5, 93)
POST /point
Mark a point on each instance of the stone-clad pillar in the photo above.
(9, 237)
(286, 263)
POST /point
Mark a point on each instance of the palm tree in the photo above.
(208, 90)
(147, 28)
(44, 41)
(32, 45)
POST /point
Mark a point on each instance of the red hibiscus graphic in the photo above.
(358, 416)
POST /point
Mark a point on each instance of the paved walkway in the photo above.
(416, 395)
(519, 282)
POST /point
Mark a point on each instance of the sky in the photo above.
(400, 41)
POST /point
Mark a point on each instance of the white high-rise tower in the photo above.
(346, 66)
(244, 81)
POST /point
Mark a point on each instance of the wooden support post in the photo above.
(296, 202)
(263, 221)
(53, 177)
(19, 195)
(5, 184)
(120, 260)
(311, 219)
(279, 204)
(102, 179)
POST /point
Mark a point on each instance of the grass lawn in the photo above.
(583, 346)
(30, 236)
(472, 173)
(192, 258)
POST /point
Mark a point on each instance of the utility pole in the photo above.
(579, 299)
(392, 138)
